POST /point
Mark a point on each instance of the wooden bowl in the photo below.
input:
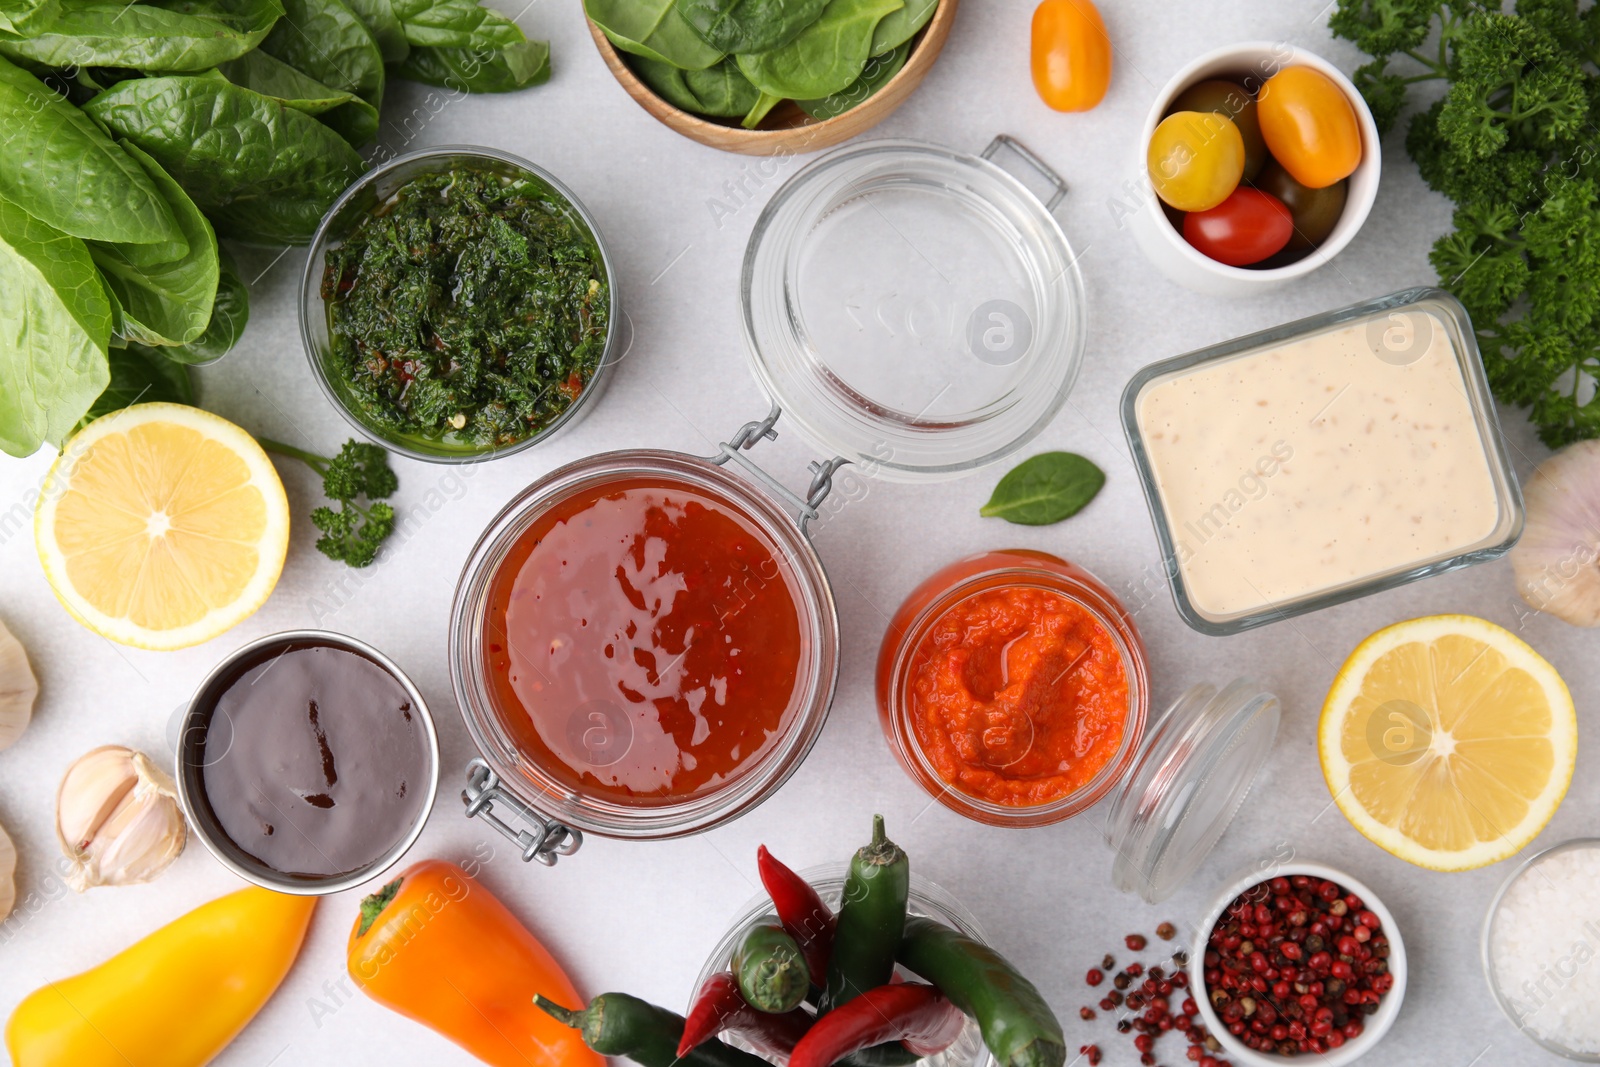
(787, 129)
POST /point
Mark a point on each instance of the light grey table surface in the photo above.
(640, 917)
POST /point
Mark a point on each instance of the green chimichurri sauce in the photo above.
(470, 309)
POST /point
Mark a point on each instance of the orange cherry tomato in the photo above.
(1196, 159)
(1310, 126)
(1071, 54)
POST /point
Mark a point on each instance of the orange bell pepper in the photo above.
(439, 948)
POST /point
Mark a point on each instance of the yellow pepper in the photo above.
(174, 999)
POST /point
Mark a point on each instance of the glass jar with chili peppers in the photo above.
(1013, 686)
(925, 899)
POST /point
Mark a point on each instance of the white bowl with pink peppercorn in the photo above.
(1356, 931)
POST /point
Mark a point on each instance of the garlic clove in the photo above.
(1557, 561)
(8, 874)
(117, 818)
(18, 688)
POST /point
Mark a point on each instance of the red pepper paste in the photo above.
(643, 641)
(1019, 696)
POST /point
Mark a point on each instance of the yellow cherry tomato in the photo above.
(1071, 54)
(1196, 159)
(1310, 126)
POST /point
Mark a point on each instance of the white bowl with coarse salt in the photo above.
(1541, 949)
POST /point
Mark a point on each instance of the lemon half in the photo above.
(162, 525)
(1448, 741)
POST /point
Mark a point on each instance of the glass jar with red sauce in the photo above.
(643, 645)
(1013, 686)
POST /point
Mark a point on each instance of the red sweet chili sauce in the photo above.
(643, 641)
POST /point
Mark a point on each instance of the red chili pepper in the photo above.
(801, 911)
(719, 1008)
(917, 1015)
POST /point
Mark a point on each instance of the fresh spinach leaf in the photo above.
(140, 375)
(900, 26)
(22, 17)
(384, 26)
(1045, 489)
(353, 118)
(63, 170)
(230, 311)
(168, 37)
(163, 293)
(759, 110)
(879, 71)
(827, 57)
(653, 29)
(719, 91)
(327, 40)
(260, 171)
(749, 25)
(55, 326)
(454, 24)
(480, 70)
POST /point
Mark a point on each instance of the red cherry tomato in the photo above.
(1245, 228)
(1071, 58)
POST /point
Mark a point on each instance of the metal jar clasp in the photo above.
(750, 434)
(484, 790)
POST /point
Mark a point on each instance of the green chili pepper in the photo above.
(872, 917)
(615, 1024)
(1017, 1025)
(771, 970)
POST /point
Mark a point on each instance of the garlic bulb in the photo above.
(117, 818)
(8, 874)
(1557, 562)
(18, 688)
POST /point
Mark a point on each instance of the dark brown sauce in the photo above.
(311, 759)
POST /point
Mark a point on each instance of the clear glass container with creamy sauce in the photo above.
(1322, 460)
(1176, 779)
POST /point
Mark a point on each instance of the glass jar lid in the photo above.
(1192, 776)
(913, 308)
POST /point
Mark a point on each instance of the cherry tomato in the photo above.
(1310, 126)
(1231, 101)
(1315, 211)
(1071, 54)
(1245, 228)
(1196, 159)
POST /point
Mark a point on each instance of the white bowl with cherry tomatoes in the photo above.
(1258, 163)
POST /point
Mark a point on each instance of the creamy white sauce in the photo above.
(1318, 463)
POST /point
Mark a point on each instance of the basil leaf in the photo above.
(749, 25)
(260, 171)
(55, 325)
(827, 57)
(479, 70)
(140, 375)
(1044, 489)
(384, 25)
(654, 29)
(899, 27)
(230, 311)
(64, 171)
(879, 71)
(186, 35)
(163, 293)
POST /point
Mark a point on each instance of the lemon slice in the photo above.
(1448, 741)
(162, 525)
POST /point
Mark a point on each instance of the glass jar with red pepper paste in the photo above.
(1013, 686)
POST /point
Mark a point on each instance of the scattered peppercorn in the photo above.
(1135, 942)
(1166, 931)
(1086, 1013)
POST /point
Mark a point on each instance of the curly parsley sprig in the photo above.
(353, 533)
(1515, 142)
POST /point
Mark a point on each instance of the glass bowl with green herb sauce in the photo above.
(458, 303)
